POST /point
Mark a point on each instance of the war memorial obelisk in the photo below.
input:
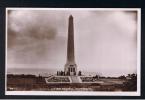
(70, 66)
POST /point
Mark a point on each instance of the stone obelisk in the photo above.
(70, 66)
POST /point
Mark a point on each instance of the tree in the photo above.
(122, 77)
(97, 76)
(131, 84)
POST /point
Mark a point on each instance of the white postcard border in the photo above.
(83, 93)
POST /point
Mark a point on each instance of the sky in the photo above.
(105, 41)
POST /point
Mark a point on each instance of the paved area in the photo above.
(75, 79)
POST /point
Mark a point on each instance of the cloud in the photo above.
(105, 41)
(29, 24)
(31, 35)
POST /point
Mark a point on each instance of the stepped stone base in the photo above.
(75, 79)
